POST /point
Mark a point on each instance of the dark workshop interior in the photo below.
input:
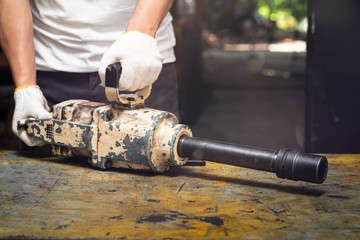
(252, 73)
(270, 74)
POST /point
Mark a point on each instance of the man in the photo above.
(74, 42)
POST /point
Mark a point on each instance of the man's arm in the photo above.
(16, 39)
(137, 49)
(148, 15)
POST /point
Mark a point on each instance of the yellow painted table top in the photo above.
(66, 198)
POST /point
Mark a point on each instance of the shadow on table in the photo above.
(191, 172)
(281, 186)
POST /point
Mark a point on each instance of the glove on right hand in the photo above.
(140, 59)
(29, 102)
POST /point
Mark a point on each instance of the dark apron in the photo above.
(61, 86)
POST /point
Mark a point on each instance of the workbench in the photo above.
(49, 197)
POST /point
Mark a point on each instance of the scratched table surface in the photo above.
(48, 197)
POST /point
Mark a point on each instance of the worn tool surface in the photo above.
(66, 198)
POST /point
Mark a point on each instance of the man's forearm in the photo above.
(148, 15)
(16, 39)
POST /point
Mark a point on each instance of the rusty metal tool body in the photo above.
(126, 134)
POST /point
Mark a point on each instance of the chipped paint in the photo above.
(73, 135)
(40, 130)
(140, 138)
(129, 101)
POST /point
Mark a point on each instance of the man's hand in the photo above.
(137, 50)
(140, 59)
(29, 102)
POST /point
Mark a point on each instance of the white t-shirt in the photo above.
(72, 35)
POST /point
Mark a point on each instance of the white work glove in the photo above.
(140, 59)
(29, 102)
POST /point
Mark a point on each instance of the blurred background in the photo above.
(265, 73)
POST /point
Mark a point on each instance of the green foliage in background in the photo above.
(286, 13)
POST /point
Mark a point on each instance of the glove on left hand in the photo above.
(140, 59)
(29, 102)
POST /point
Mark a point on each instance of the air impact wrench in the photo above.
(126, 134)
